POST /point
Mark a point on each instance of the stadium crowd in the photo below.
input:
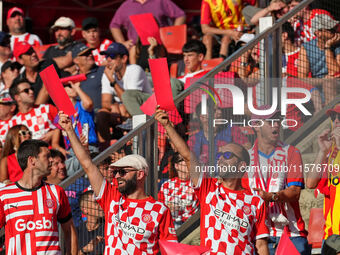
(241, 213)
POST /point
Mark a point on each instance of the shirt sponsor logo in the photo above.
(22, 225)
(230, 220)
(130, 229)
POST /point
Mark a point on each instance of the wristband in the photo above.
(112, 84)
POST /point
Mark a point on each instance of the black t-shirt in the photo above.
(55, 51)
(84, 237)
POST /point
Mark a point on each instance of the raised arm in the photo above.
(85, 100)
(180, 145)
(95, 177)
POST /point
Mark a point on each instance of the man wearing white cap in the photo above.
(134, 222)
(321, 56)
(64, 30)
(16, 26)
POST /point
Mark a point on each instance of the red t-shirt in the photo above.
(31, 218)
(134, 225)
(231, 220)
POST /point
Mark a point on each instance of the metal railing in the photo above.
(147, 133)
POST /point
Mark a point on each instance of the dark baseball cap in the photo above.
(90, 22)
(80, 49)
(4, 39)
(115, 49)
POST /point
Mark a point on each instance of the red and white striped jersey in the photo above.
(39, 120)
(31, 218)
(180, 194)
(277, 171)
(303, 31)
(134, 226)
(231, 220)
(31, 39)
(99, 59)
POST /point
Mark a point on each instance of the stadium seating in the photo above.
(173, 38)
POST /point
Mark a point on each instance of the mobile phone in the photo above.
(85, 131)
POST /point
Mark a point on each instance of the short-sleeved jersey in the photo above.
(31, 39)
(134, 226)
(231, 220)
(181, 194)
(99, 59)
(31, 218)
(39, 120)
(303, 31)
(224, 14)
(282, 169)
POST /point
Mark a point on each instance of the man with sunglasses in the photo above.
(26, 56)
(232, 218)
(38, 118)
(327, 180)
(16, 26)
(7, 109)
(276, 175)
(124, 88)
(134, 222)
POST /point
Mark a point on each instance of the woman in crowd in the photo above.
(10, 170)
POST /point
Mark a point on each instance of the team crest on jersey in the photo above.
(50, 203)
(172, 231)
(246, 209)
(275, 175)
(146, 218)
(40, 120)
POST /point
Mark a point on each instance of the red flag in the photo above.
(56, 90)
(171, 248)
(286, 246)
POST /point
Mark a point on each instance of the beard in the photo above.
(64, 40)
(129, 187)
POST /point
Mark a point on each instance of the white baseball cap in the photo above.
(64, 22)
(134, 161)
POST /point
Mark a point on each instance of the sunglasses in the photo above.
(25, 132)
(122, 171)
(68, 86)
(27, 90)
(334, 115)
(227, 155)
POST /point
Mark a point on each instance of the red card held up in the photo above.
(161, 82)
(56, 90)
(149, 108)
(146, 26)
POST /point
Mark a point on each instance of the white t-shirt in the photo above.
(133, 78)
